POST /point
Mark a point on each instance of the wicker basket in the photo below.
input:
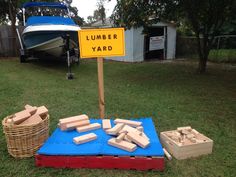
(25, 140)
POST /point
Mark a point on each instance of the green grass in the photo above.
(223, 56)
(172, 93)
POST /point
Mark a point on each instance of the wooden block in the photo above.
(189, 136)
(169, 134)
(201, 137)
(184, 128)
(31, 109)
(74, 119)
(128, 128)
(21, 117)
(128, 122)
(140, 128)
(74, 125)
(186, 142)
(122, 145)
(176, 133)
(120, 137)
(9, 121)
(195, 132)
(63, 122)
(176, 138)
(185, 132)
(145, 136)
(180, 140)
(167, 154)
(35, 119)
(27, 106)
(193, 140)
(23, 113)
(139, 140)
(84, 138)
(114, 130)
(89, 127)
(126, 138)
(42, 110)
(106, 124)
(199, 141)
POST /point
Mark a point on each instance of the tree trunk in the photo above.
(203, 52)
(12, 16)
(202, 65)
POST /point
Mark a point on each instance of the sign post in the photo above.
(99, 43)
(101, 88)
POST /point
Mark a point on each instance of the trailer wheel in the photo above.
(78, 61)
(22, 58)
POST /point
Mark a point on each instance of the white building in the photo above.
(159, 43)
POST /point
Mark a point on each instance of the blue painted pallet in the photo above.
(61, 143)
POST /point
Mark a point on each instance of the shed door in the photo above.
(155, 43)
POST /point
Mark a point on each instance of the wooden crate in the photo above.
(183, 151)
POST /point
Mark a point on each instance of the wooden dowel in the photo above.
(101, 88)
(167, 154)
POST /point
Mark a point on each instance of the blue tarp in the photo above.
(37, 20)
(61, 143)
(44, 4)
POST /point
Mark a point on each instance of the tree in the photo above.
(8, 12)
(205, 18)
(3, 12)
(73, 12)
(100, 12)
(10, 8)
(90, 19)
(135, 13)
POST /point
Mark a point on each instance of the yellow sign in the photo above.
(101, 42)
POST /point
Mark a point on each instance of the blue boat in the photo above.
(46, 27)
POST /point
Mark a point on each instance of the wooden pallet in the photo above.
(103, 162)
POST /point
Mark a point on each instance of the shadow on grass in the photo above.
(49, 62)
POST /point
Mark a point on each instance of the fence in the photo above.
(186, 46)
(223, 49)
(9, 44)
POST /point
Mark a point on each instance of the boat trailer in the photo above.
(69, 60)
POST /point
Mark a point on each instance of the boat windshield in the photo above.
(45, 11)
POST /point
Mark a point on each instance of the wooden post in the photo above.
(101, 88)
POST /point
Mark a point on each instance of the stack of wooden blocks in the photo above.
(31, 115)
(128, 134)
(186, 142)
(82, 124)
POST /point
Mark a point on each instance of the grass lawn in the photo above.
(172, 93)
(223, 56)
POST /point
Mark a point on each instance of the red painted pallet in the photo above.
(105, 162)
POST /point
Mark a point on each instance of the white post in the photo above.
(23, 11)
(18, 34)
(68, 12)
(165, 46)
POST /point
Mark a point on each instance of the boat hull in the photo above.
(49, 40)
